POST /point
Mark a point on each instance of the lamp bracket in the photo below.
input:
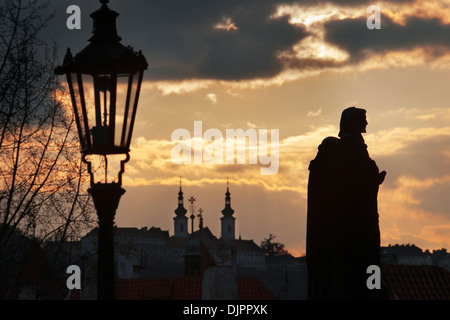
(91, 174)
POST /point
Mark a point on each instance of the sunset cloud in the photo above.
(212, 97)
(403, 219)
(314, 113)
(389, 142)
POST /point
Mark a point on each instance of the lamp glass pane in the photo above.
(121, 102)
(103, 87)
(100, 108)
(89, 98)
(132, 91)
(77, 105)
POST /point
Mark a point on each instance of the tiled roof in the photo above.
(204, 233)
(414, 282)
(183, 288)
(281, 259)
(245, 245)
(251, 288)
(143, 232)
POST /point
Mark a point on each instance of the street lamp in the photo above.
(104, 81)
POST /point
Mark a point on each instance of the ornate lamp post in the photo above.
(104, 80)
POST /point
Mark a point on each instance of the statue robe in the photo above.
(343, 236)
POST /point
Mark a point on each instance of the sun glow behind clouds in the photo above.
(313, 19)
(312, 15)
(429, 9)
(401, 215)
(226, 24)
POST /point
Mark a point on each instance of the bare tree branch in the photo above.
(42, 179)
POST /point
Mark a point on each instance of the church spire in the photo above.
(227, 211)
(180, 210)
(180, 221)
(228, 221)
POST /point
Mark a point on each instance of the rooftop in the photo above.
(183, 288)
(407, 282)
(153, 232)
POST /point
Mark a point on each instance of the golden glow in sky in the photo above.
(399, 74)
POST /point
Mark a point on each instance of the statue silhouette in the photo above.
(343, 236)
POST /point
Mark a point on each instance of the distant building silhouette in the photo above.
(152, 252)
(410, 254)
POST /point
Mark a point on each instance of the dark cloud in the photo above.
(353, 36)
(250, 51)
(179, 40)
(185, 44)
(311, 63)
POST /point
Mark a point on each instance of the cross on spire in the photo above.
(192, 216)
(200, 224)
(191, 199)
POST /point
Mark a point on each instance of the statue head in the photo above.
(353, 121)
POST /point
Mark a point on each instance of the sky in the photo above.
(288, 68)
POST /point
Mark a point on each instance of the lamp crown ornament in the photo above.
(104, 24)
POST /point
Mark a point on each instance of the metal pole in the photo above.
(106, 198)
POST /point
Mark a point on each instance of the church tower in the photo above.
(180, 221)
(228, 220)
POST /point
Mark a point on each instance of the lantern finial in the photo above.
(104, 24)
